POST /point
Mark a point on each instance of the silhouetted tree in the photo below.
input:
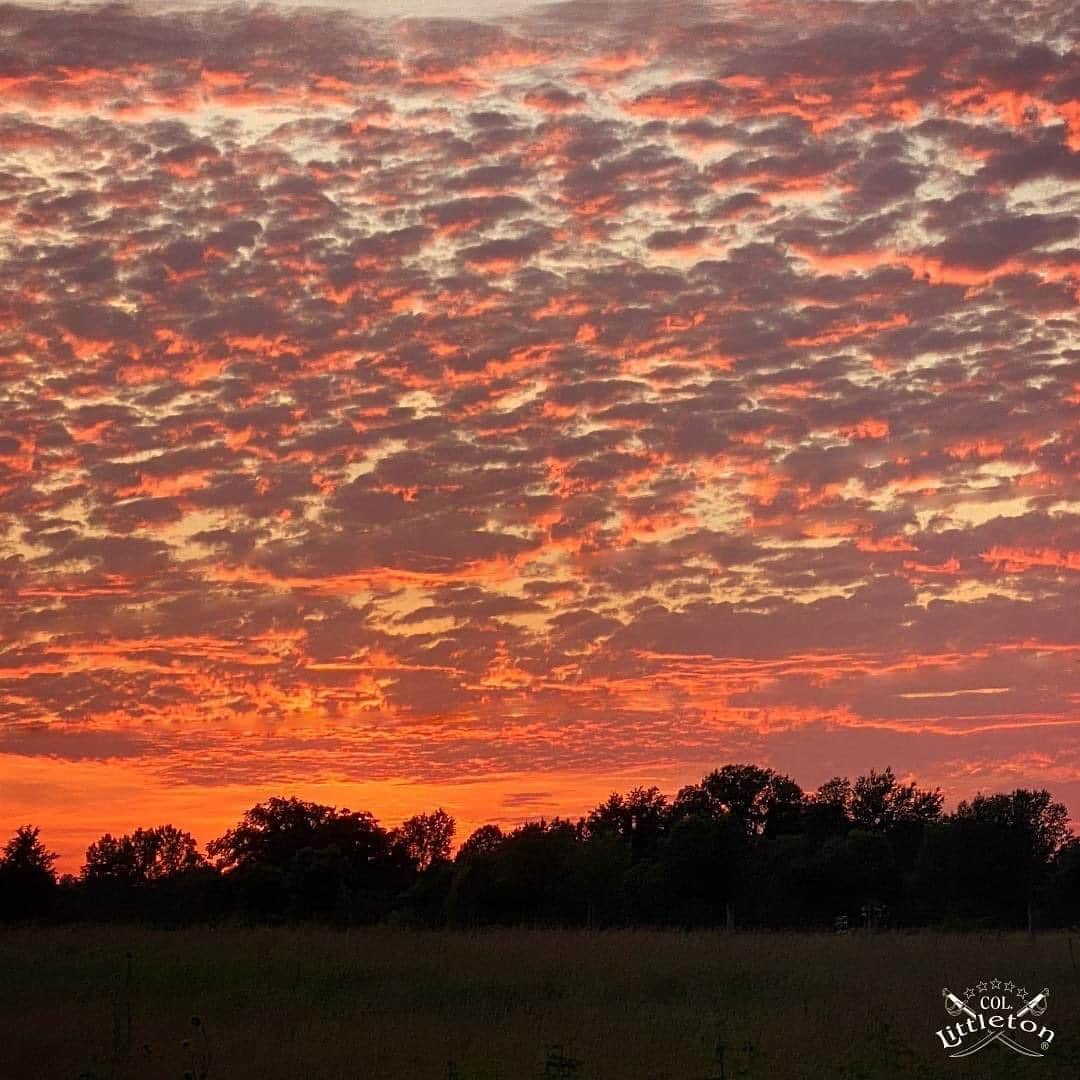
(154, 874)
(1063, 885)
(26, 852)
(538, 874)
(27, 878)
(271, 833)
(865, 872)
(471, 898)
(761, 801)
(745, 841)
(827, 812)
(1034, 828)
(427, 838)
(640, 819)
(699, 873)
(989, 861)
(483, 841)
(296, 859)
(142, 857)
(879, 801)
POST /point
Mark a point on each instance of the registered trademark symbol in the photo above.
(996, 1021)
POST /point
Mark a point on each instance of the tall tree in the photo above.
(427, 838)
(271, 833)
(639, 818)
(880, 802)
(699, 874)
(142, 857)
(481, 842)
(827, 812)
(26, 852)
(289, 858)
(761, 801)
(1032, 828)
(1064, 884)
(27, 877)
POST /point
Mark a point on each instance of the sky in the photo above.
(501, 410)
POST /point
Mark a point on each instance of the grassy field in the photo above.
(367, 1005)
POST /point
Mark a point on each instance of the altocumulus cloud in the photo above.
(575, 392)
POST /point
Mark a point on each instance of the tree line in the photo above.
(744, 847)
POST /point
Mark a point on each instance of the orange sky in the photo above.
(495, 412)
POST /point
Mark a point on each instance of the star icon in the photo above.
(968, 992)
(1022, 992)
(982, 986)
(995, 984)
(1010, 985)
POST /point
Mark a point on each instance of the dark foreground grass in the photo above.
(386, 1004)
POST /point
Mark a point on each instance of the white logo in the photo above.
(996, 1011)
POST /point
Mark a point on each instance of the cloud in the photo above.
(586, 391)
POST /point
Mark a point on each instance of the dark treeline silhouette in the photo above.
(744, 847)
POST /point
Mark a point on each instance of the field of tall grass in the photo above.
(384, 1004)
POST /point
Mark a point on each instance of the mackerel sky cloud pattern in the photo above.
(498, 411)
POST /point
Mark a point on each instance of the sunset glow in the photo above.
(493, 413)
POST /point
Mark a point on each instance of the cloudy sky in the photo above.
(499, 410)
